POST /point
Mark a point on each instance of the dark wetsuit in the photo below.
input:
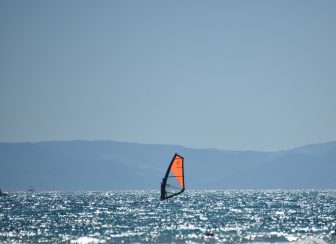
(163, 191)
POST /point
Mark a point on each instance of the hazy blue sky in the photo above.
(234, 74)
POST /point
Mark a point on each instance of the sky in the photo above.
(233, 75)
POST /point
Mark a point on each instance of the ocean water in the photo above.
(247, 216)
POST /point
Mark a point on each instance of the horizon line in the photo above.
(162, 144)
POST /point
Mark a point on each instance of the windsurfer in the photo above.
(163, 190)
(173, 182)
(209, 234)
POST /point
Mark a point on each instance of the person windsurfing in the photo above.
(172, 183)
(163, 190)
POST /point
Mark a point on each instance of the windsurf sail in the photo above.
(173, 182)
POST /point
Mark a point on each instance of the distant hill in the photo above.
(111, 165)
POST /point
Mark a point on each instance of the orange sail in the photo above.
(177, 169)
(173, 182)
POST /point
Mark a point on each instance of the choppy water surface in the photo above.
(195, 216)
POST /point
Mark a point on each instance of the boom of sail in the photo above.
(173, 182)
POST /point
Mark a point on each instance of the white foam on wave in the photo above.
(311, 241)
(87, 240)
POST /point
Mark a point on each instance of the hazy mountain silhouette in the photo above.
(110, 165)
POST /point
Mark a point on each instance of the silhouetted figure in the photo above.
(209, 234)
(163, 190)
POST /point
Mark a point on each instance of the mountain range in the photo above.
(112, 165)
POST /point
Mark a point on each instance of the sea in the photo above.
(216, 216)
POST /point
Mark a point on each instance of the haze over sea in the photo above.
(245, 216)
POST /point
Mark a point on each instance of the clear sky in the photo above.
(258, 75)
